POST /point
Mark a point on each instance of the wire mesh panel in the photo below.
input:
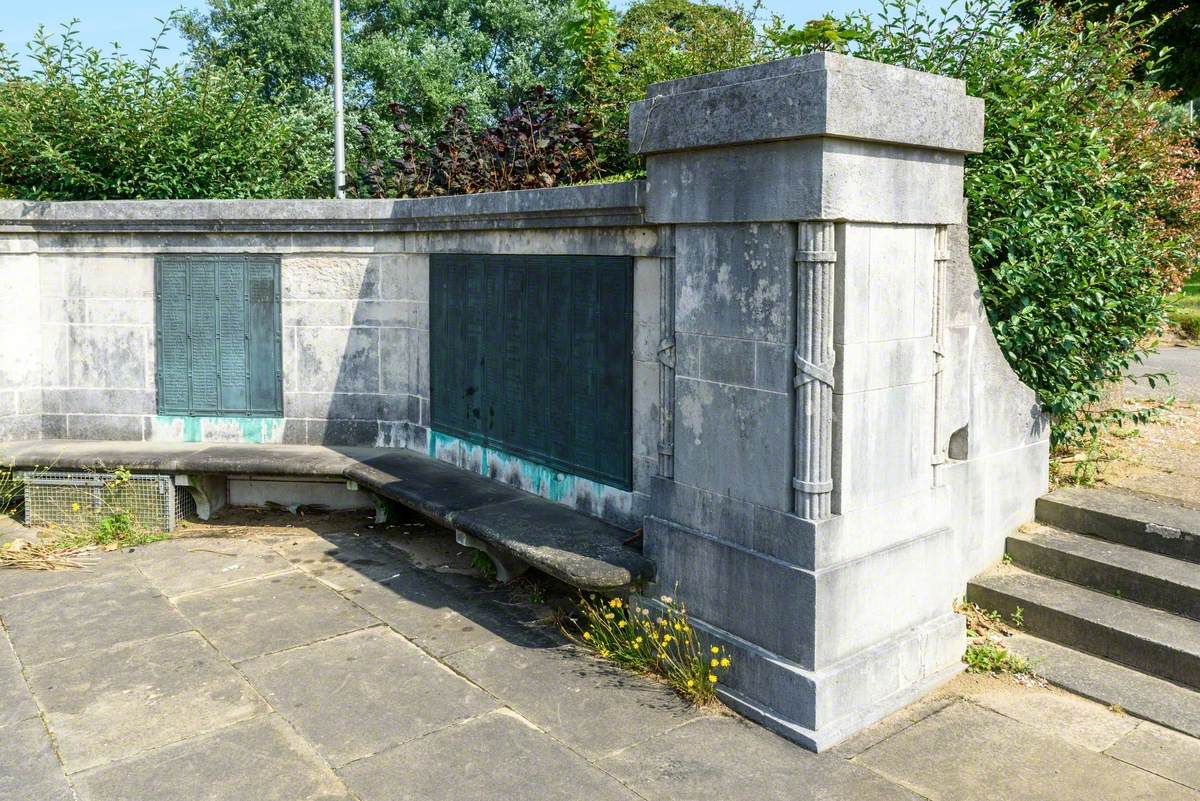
(81, 500)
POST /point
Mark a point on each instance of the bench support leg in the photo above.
(507, 568)
(383, 509)
(210, 493)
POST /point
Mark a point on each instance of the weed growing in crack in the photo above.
(658, 641)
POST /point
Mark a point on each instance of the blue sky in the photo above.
(131, 22)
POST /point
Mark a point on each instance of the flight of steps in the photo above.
(1108, 584)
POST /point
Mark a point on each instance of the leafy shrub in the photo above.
(1084, 205)
(661, 643)
(652, 41)
(428, 55)
(87, 125)
(539, 143)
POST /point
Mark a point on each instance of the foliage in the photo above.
(986, 631)
(989, 657)
(1179, 33)
(539, 143)
(11, 491)
(661, 643)
(826, 33)
(652, 41)
(88, 125)
(484, 565)
(1184, 308)
(1084, 205)
(427, 55)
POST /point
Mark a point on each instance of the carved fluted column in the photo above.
(814, 356)
(941, 258)
(666, 351)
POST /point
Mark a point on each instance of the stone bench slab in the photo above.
(571, 546)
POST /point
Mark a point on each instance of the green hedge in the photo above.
(88, 125)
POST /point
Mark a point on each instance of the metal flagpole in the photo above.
(339, 126)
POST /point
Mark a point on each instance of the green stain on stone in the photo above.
(250, 430)
(545, 481)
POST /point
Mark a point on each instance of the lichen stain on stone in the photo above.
(691, 410)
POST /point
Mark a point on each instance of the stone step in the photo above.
(1149, 578)
(1150, 640)
(1140, 695)
(1150, 524)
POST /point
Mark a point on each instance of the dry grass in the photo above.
(23, 554)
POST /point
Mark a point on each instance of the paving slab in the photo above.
(893, 723)
(270, 614)
(1158, 750)
(29, 770)
(257, 760)
(590, 705)
(967, 752)
(79, 619)
(16, 703)
(15, 582)
(1078, 720)
(497, 756)
(718, 757)
(342, 561)
(355, 695)
(179, 566)
(112, 704)
(437, 617)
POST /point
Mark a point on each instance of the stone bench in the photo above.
(514, 528)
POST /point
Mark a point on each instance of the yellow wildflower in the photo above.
(615, 603)
(637, 641)
(620, 624)
(713, 663)
(715, 649)
(725, 662)
(666, 638)
(690, 682)
(587, 635)
(712, 679)
(75, 507)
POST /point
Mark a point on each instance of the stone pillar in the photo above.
(797, 516)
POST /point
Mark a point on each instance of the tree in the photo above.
(427, 55)
(653, 41)
(1180, 32)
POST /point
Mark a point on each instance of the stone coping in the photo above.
(573, 547)
(817, 95)
(589, 206)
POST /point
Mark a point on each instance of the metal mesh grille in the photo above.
(80, 500)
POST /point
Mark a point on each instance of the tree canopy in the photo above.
(427, 55)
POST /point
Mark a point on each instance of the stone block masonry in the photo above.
(826, 441)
